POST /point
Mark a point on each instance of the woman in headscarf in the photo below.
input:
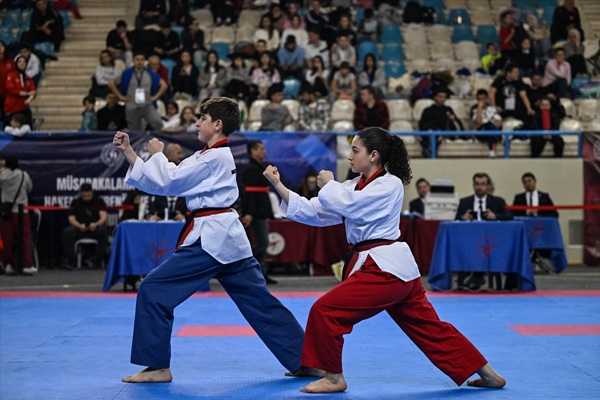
(574, 51)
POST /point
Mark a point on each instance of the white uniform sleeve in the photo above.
(309, 212)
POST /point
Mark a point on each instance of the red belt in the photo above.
(257, 189)
(189, 220)
(354, 249)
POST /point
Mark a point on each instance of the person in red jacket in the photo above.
(6, 65)
(370, 111)
(20, 91)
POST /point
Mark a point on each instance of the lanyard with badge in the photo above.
(140, 93)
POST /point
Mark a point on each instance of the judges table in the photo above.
(544, 234)
(481, 246)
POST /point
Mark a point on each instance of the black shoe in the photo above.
(270, 281)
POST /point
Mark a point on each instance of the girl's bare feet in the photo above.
(150, 375)
(306, 372)
(329, 384)
(488, 378)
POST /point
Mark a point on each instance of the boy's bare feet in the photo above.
(489, 378)
(329, 384)
(306, 372)
(150, 375)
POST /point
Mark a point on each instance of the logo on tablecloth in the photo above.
(535, 228)
(276, 244)
(158, 249)
(485, 245)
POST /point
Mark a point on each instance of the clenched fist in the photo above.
(272, 174)
(324, 177)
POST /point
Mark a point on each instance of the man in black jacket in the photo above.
(418, 205)
(532, 197)
(256, 205)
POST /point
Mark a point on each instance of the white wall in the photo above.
(561, 178)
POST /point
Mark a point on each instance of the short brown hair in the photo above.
(225, 109)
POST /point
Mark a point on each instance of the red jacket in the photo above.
(14, 102)
(5, 67)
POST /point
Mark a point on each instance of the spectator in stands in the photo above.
(173, 119)
(308, 187)
(506, 35)
(315, 17)
(134, 199)
(263, 77)
(119, 43)
(157, 66)
(105, 72)
(188, 120)
(20, 92)
(418, 205)
(524, 58)
(113, 114)
(87, 219)
(316, 47)
(342, 51)
(437, 117)
(291, 59)
(152, 12)
(486, 118)
(139, 87)
(297, 31)
(144, 41)
(314, 115)
(46, 25)
(184, 77)
(167, 45)
(557, 75)
(535, 91)
(33, 69)
(508, 94)
(212, 77)
(17, 126)
(480, 206)
(267, 32)
(565, 18)
(492, 61)
(277, 18)
(7, 64)
(574, 54)
(192, 39)
(223, 11)
(373, 76)
(15, 185)
(238, 78)
(344, 27)
(317, 77)
(275, 116)
(538, 33)
(547, 118)
(367, 29)
(179, 12)
(89, 121)
(370, 111)
(532, 197)
(260, 48)
(343, 84)
(291, 12)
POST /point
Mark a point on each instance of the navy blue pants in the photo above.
(180, 276)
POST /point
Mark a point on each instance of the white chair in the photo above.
(343, 126)
(466, 49)
(399, 109)
(160, 107)
(439, 34)
(342, 110)
(79, 246)
(416, 51)
(223, 34)
(472, 64)
(482, 16)
(440, 50)
(510, 124)
(243, 111)
(444, 64)
(100, 103)
(255, 110)
(587, 109)
(591, 47)
(181, 104)
(204, 16)
(245, 33)
(401, 125)
(482, 83)
(570, 124)
(595, 125)
(254, 126)
(419, 65)
(458, 106)
(293, 106)
(455, 4)
(569, 107)
(418, 108)
(249, 17)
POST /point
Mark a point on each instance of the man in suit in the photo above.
(176, 207)
(418, 205)
(533, 197)
(481, 207)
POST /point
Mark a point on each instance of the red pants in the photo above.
(366, 293)
(8, 230)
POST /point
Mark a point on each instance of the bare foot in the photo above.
(306, 372)
(488, 378)
(329, 384)
(150, 375)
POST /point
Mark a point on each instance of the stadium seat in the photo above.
(458, 106)
(444, 64)
(438, 33)
(487, 34)
(394, 68)
(525, 11)
(293, 106)
(392, 52)
(459, 16)
(482, 16)
(244, 33)
(401, 125)
(390, 34)
(472, 64)
(478, 4)
(465, 49)
(547, 3)
(433, 3)
(399, 109)
(12, 19)
(204, 16)
(178, 30)
(343, 126)
(418, 108)
(441, 50)
(6, 36)
(587, 109)
(524, 4)
(222, 50)
(570, 125)
(291, 88)
(591, 47)
(461, 33)
(243, 111)
(342, 110)
(255, 110)
(169, 65)
(420, 66)
(100, 103)
(569, 106)
(413, 32)
(254, 126)
(449, 4)
(359, 15)
(481, 83)
(160, 108)
(416, 51)
(595, 125)
(548, 14)
(223, 34)
(181, 104)
(249, 17)
(510, 124)
(365, 48)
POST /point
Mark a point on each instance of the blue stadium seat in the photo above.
(524, 4)
(548, 14)
(12, 19)
(392, 52)
(394, 68)
(178, 29)
(438, 4)
(459, 16)
(462, 32)
(390, 34)
(169, 65)
(44, 47)
(291, 88)
(365, 48)
(6, 35)
(359, 16)
(486, 34)
(222, 49)
(547, 3)
(24, 28)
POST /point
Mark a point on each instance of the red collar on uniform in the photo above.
(220, 143)
(362, 182)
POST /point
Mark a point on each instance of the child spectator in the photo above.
(173, 122)
(89, 121)
(492, 61)
(17, 127)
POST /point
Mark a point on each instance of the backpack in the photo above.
(421, 89)
(412, 13)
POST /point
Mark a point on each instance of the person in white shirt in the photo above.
(297, 30)
(486, 118)
(207, 180)
(267, 32)
(381, 274)
(17, 127)
(316, 47)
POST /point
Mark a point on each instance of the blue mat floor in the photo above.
(78, 348)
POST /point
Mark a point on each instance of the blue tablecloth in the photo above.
(139, 247)
(481, 246)
(544, 234)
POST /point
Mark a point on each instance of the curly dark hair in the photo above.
(392, 151)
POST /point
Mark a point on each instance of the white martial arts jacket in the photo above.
(371, 213)
(206, 180)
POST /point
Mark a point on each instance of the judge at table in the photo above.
(418, 205)
(173, 205)
(532, 197)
